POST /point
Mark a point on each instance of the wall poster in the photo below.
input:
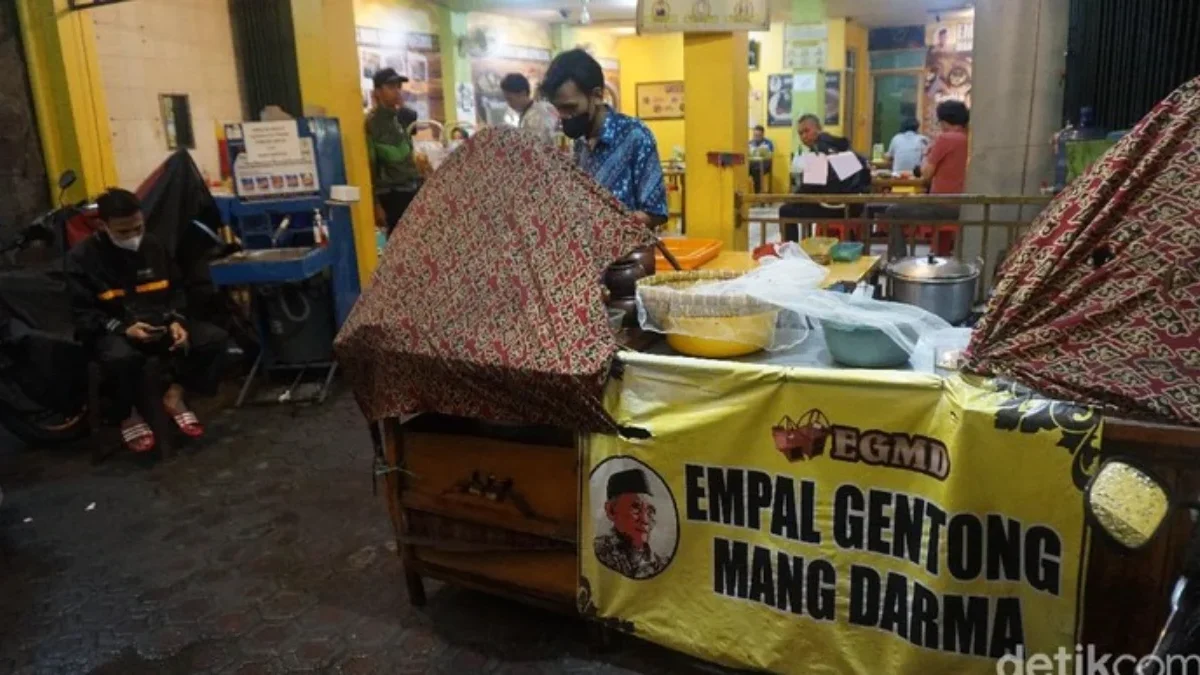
(779, 100)
(833, 98)
(702, 16)
(489, 68)
(948, 66)
(660, 100)
(416, 56)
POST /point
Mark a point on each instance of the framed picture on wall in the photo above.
(779, 100)
(660, 100)
(833, 98)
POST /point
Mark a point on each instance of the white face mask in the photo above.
(131, 244)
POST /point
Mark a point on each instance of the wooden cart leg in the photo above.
(416, 588)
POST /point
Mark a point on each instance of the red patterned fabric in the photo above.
(487, 301)
(1124, 332)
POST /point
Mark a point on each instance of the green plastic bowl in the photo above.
(846, 251)
(862, 346)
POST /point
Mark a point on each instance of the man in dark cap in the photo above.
(626, 548)
(394, 172)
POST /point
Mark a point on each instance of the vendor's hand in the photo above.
(179, 336)
(642, 217)
(141, 332)
(380, 217)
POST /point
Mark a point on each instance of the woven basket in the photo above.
(665, 296)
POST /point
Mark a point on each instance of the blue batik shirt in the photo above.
(625, 160)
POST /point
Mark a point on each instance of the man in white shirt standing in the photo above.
(908, 147)
(537, 116)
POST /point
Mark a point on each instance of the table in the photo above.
(741, 261)
(879, 185)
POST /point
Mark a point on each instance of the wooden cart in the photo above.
(495, 508)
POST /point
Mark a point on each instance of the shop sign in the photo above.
(805, 521)
(702, 16)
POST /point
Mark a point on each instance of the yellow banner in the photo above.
(808, 521)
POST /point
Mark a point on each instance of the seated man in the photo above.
(815, 140)
(127, 301)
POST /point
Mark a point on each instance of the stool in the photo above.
(841, 231)
(945, 239)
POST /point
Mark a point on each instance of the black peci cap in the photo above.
(628, 481)
(389, 76)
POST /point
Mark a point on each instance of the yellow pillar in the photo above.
(327, 58)
(68, 95)
(456, 67)
(716, 85)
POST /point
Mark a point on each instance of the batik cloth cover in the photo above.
(487, 300)
(1125, 333)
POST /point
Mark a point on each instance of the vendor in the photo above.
(127, 301)
(537, 116)
(617, 150)
(394, 172)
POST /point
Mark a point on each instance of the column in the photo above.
(813, 100)
(327, 58)
(1016, 104)
(716, 83)
(456, 66)
(68, 95)
(563, 37)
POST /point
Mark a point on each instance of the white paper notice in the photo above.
(272, 142)
(804, 82)
(845, 164)
(816, 169)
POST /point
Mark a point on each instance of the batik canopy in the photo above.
(487, 300)
(1100, 302)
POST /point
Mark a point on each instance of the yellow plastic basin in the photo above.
(748, 334)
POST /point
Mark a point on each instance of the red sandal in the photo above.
(137, 437)
(187, 422)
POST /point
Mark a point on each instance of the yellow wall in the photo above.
(507, 30)
(652, 58)
(328, 64)
(397, 16)
(856, 39)
(770, 62)
(602, 41)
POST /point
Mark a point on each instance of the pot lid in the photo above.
(932, 267)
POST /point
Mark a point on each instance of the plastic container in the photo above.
(758, 331)
(690, 253)
(818, 248)
(862, 346)
(846, 251)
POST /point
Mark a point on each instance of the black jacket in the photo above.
(828, 144)
(112, 288)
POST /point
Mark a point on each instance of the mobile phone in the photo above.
(156, 330)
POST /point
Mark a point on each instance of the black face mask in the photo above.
(577, 126)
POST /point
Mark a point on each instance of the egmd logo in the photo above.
(812, 435)
(1089, 662)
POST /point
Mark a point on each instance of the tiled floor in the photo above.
(262, 551)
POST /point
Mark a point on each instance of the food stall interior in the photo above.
(503, 389)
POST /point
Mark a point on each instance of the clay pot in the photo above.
(621, 276)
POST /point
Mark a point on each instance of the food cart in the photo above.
(755, 513)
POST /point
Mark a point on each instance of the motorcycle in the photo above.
(43, 368)
(1130, 505)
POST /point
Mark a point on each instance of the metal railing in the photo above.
(984, 213)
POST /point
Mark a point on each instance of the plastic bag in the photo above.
(774, 306)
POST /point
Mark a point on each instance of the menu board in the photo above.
(702, 16)
(660, 100)
(273, 163)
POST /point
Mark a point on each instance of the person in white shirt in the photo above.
(907, 148)
(537, 116)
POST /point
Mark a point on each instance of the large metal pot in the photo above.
(944, 286)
